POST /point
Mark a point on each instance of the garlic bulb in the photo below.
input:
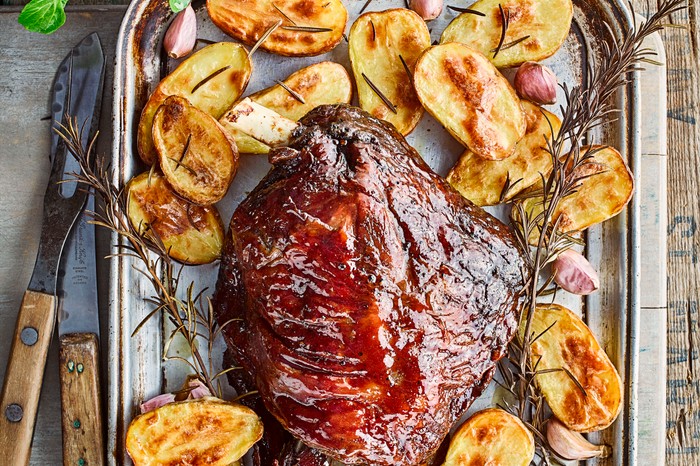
(426, 9)
(571, 445)
(182, 34)
(574, 273)
(536, 83)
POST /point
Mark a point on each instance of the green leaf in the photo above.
(44, 16)
(178, 5)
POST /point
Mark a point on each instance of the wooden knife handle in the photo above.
(80, 400)
(25, 372)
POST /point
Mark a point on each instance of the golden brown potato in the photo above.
(599, 197)
(309, 27)
(545, 23)
(378, 41)
(212, 79)
(472, 100)
(482, 181)
(192, 234)
(197, 432)
(318, 84)
(196, 156)
(570, 345)
(492, 437)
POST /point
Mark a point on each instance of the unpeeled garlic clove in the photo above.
(574, 273)
(426, 9)
(571, 445)
(182, 34)
(536, 83)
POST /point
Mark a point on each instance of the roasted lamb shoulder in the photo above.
(372, 300)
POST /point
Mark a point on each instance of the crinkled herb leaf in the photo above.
(44, 16)
(178, 5)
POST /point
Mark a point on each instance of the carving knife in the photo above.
(37, 313)
(78, 319)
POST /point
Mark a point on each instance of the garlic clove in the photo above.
(156, 402)
(536, 83)
(426, 9)
(571, 445)
(182, 34)
(574, 273)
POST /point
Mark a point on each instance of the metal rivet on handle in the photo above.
(29, 336)
(14, 412)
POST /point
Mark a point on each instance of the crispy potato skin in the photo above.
(482, 181)
(192, 234)
(206, 431)
(214, 97)
(248, 20)
(547, 22)
(376, 41)
(570, 344)
(491, 436)
(469, 96)
(599, 198)
(196, 156)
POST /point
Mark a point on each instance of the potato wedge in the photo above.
(309, 27)
(212, 79)
(203, 431)
(569, 344)
(545, 23)
(482, 181)
(600, 197)
(322, 83)
(377, 42)
(491, 436)
(472, 100)
(192, 234)
(196, 156)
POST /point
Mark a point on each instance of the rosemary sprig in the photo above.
(191, 317)
(380, 94)
(587, 107)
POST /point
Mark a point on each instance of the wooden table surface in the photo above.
(683, 370)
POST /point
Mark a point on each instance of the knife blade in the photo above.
(37, 313)
(78, 319)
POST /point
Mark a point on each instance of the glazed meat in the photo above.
(374, 300)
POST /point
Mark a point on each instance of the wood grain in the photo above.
(24, 375)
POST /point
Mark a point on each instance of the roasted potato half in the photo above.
(602, 195)
(192, 234)
(491, 436)
(196, 156)
(377, 44)
(482, 181)
(309, 27)
(595, 401)
(212, 79)
(318, 84)
(203, 431)
(536, 29)
(474, 102)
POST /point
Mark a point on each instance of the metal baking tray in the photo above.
(136, 367)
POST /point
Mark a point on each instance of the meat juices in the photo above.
(374, 299)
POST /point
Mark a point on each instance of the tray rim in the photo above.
(119, 288)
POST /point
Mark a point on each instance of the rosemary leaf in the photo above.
(264, 37)
(284, 14)
(465, 10)
(379, 93)
(291, 91)
(511, 43)
(184, 153)
(180, 164)
(306, 29)
(209, 78)
(406, 68)
(364, 7)
(505, 19)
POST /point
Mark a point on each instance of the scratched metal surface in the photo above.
(612, 247)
